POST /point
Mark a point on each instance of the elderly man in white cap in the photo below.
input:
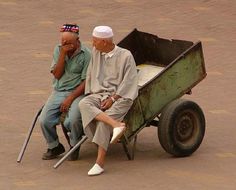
(111, 86)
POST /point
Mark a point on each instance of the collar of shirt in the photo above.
(79, 50)
(110, 54)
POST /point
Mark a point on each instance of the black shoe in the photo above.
(53, 153)
(74, 155)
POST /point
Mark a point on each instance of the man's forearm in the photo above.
(59, 69)
(78, 91)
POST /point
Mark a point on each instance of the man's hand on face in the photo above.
(67, 47)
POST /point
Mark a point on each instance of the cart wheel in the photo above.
(181, 127)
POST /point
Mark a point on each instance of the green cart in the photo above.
(174, 67)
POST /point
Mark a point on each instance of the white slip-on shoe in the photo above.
(95, 170)
(117, 133)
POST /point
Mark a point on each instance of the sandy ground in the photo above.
(28, 33)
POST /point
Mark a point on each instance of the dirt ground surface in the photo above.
(28, 33)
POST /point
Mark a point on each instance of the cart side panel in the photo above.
(134, 118)
(173, 82)
(150, 48)
(131, 42)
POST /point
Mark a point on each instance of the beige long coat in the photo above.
(107, 74)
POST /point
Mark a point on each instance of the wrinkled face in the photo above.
(71, 39)
(100, 44)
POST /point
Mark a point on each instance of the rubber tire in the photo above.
(174, 118)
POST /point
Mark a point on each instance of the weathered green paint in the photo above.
(174, 81)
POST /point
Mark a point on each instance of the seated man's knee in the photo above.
(45, 122)
(73, 122)
(82, 104)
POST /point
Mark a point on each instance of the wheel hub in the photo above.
(185, 127)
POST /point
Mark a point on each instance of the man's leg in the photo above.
(49, 118)
(114, 116)
(101, 138)
(90, 107)
(73, 123)
(104, 117)
(107, 122)
(101, 156)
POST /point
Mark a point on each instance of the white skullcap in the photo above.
(102, 32)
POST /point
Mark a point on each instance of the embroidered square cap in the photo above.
(102, 32)
(70, 28)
